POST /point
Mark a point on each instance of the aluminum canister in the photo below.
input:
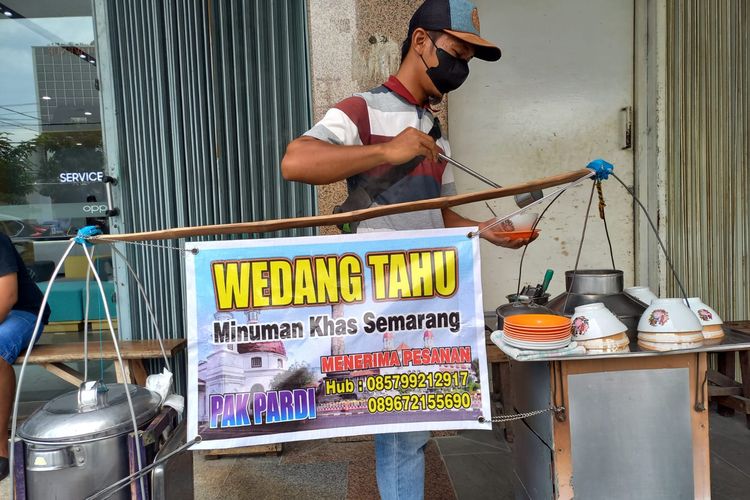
(76, 444)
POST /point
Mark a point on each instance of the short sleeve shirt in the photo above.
(377, 116)
(29, 296)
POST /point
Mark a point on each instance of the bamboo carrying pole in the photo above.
(353, 216)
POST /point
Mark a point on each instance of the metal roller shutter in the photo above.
(199, 100)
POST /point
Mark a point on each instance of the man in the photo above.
(385, 143)
(20, 300)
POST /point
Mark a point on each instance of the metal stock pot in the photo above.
(77, 444)
(587, 286)
(519, 305)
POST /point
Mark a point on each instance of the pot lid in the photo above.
(594, 281)
(93, 412)
(622, 304)
(521, 307)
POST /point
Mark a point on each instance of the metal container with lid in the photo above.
(599, 285)
(76, 444)
(519, 305)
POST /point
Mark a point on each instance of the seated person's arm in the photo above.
(8, 294)
(314, 161)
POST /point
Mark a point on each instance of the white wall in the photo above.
(551, 104)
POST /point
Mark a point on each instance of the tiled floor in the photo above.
(327, 469)
(469, 465)
(478, 463)
(730, 457)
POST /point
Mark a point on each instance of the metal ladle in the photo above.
(522, 200)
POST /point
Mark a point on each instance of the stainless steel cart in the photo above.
(635, 424)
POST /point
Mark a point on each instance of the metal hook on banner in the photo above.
(521, 416)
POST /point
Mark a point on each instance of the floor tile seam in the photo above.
(346, 483)
(486, 449)
(448, 473)
(476, 453)
(319, 458)
(485, 444)
(333, 460)
(276, 462)
(474, 442)
(226, 477)
(730, 464)
(306, 451)
(726, 434)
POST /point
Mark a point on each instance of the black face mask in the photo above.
(450, 72)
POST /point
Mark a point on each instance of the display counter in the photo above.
(634, 423)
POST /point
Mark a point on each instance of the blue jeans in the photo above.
(399, 465)
(15, 334)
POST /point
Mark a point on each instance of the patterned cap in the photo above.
(459, 18)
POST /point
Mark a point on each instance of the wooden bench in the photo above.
(729, 394)
(78, 326)
(54, 356)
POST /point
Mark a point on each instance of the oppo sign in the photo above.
(95, 208)
(67, 177)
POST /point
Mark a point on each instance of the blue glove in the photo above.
(602, 168)
(87, 232)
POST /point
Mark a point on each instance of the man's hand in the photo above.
(409, 144)
(496, 237)
(319, 162)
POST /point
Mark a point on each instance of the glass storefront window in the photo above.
(51, 153)
(52, 164)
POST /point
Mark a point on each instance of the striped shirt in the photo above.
(376, 117)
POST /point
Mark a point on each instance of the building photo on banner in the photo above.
(296, 338)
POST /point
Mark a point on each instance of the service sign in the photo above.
(307, 338)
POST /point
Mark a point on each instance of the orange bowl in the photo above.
(537, 321)
(526, 329)
(536, 338)
(534, 327)
(517, 235)
(533, 333)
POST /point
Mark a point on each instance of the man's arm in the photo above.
(493, 235)
(315, 161)
(8, 294)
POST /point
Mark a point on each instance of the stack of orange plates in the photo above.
(536, 331)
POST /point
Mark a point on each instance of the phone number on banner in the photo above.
(419, 402)
(420, 380)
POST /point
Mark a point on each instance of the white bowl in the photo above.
(614, 343)
(713, 340)
(594, 321)
(713, 332)
(520, 222)
(706, 315)
(642, 293)
(674, 338)
(668, 346)
(669, 316)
